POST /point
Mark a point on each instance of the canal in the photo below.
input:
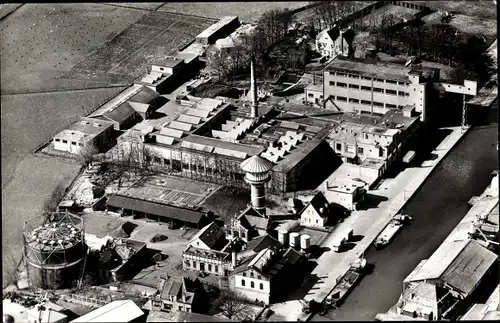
(437, 207)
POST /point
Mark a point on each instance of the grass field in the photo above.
(7, 8)
(23, 198)
(28, 120)
(247, 12)
(41, 42)
(477, 8)
(137, 5)
(151, 38)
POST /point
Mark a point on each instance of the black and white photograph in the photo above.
(249, 161)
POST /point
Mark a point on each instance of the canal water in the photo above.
(437, 207)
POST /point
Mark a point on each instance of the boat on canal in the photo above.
(391, 230)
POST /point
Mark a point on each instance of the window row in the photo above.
(368, 88)
(252, 275)
(252, 284)
(202, 266)
(64, 141)
(366, 102)
(369, 78)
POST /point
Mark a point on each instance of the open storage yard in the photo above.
(249, 12)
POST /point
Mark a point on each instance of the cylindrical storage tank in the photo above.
(55, 251)
(294, 239)
(305, 241)
(283, 237)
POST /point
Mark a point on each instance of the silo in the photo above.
(54, 251)
(294, 239)
(305, 242)
(283, 237)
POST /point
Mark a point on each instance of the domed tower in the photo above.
(257, 175)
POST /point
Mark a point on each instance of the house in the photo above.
(218, 263)
(124, 311)
(335, 41)
(210, 237)
(177, 294)
(316, 212)
(247, 225)
(265, 275)
(86, 132)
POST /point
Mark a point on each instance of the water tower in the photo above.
(257, 175)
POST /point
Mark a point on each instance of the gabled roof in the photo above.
(177, 287)
(258, 222)
(261, 243)
(318, 202)
(120, 113)
(211, 235)
(140, 107)
(145, 95)
(333, 33)
(116, 311)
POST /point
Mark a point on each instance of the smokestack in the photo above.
(253, 90)
(233, 258)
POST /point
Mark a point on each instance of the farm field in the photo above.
(126, 56)
(137, 5)
(249, 12)
(28, 120)
(41, 42)
(480, 9)
(23, 198)
(7, 8)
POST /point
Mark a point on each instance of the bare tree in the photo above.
(217, 60)
(231, 303)
(86, 155)
(53, 201)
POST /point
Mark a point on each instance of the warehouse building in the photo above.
(84, 133)
(225, 26)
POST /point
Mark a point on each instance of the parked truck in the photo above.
(342, 239)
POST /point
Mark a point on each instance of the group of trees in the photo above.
(327, 13)
(441, 43)
(270, 28)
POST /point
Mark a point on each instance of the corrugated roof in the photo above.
(167, 211)
(166, 140)
(116, 311)
(198, 113)
(466, 271)
(212, 142)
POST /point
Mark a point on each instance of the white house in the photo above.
(315, 213)
(333, 42)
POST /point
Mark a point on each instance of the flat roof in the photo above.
(169, 62)
(370, 68)
(393, 118)
(85, 128)
(116, 311)
(218, 25)
(162, 210)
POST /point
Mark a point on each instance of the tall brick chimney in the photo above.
(253, 91)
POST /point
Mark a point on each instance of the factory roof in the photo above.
(461, 264)
(342, 184)
(396, 120)
(256, 164)
(169, 61)
(298, 155)
(157, 209)
(210, 235)
(260, 243)
(144, 95)
(119, 113)
(116, 311)
(370, 68)
(122, 97)
(237, 149)
(218, 25)
(85, 128)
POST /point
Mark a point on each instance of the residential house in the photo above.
(84, 133)
(316, 212)
(335, 41)
(178, 294)
(266, 275)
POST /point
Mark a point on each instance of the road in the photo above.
(437, 207)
